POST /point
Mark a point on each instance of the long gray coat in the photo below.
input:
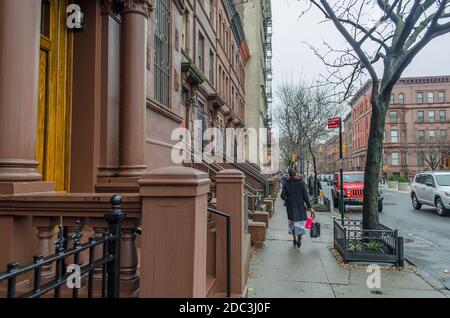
(296, 198)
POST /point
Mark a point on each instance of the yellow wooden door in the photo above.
(55, 63)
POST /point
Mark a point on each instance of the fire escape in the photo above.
(267, 21)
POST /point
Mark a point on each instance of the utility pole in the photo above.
(341, 171)
(334, 123)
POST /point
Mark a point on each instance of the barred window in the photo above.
(162, 56)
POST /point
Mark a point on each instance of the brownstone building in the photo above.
(88, 113)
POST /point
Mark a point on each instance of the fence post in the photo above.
(174, 233)
(114, 220)
(230, 199)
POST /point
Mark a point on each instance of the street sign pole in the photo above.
(341, 171)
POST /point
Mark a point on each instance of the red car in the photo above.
(353, 190)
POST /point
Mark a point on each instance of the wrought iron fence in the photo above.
(228, 220)
(108, 262)
(357, 244)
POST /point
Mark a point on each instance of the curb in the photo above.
(433, 282)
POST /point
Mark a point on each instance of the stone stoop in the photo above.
(261, 217)
(269, 203)
(257, 232)
(248, 252)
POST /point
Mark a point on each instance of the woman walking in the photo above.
(296, 201)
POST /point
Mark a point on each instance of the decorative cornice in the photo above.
(216, 101)
(144, 7)
(192, 73)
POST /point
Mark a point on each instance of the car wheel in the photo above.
(415, 202)
(380, 206)
(441, 210)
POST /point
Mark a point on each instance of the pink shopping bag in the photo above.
(309, 223)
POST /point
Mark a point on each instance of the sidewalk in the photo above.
(280, 270)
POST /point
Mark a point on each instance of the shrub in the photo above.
(402, 179)
(393, 178)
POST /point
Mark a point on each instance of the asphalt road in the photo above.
(426, 234)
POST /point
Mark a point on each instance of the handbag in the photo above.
(309, 223)
(315, 230)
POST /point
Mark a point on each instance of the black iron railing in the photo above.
(357, 244)
(228, 219)
(108, 262)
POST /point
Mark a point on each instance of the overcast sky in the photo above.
(294, 60)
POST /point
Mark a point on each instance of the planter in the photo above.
(393, 185)
(403, 186)
(377, 246)
(323, 205)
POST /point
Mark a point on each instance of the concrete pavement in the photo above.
(280, 270)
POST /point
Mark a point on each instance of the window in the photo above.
(420, 159)
(45, 18)
(211, 66)
(442, 116)
(394, 136)
(201, 52)
(429, 180)
(432, 136)
(430, 97)
(441, 97)
(419, 98)
(211, 10)
(184, 33)
(401, 98)
(392, 99)
(431, 116)
(443, 135)
(420, 116)
(421, 135)
(162, 39)
(395, 159)
(394, 117)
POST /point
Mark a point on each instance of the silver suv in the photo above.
(433, 189)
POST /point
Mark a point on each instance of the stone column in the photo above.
(135, 14)
(174, 225)
(19, 83)
(230, 199)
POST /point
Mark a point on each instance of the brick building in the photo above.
(417, 125)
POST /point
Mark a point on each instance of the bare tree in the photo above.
(434, 153)
(302, 118)
(402, 30)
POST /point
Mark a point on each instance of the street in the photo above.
(426, 234)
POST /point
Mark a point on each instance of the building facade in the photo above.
(417, 126)
(88, 113)
(257, 20)
(347, 142)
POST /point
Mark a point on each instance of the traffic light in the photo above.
(293, 158)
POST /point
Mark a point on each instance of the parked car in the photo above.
(432, 189)
(353, 190)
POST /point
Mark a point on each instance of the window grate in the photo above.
(162, 56)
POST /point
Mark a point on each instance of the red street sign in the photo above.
(334, 123)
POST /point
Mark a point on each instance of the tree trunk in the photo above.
(373, 162)
(316, 180)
